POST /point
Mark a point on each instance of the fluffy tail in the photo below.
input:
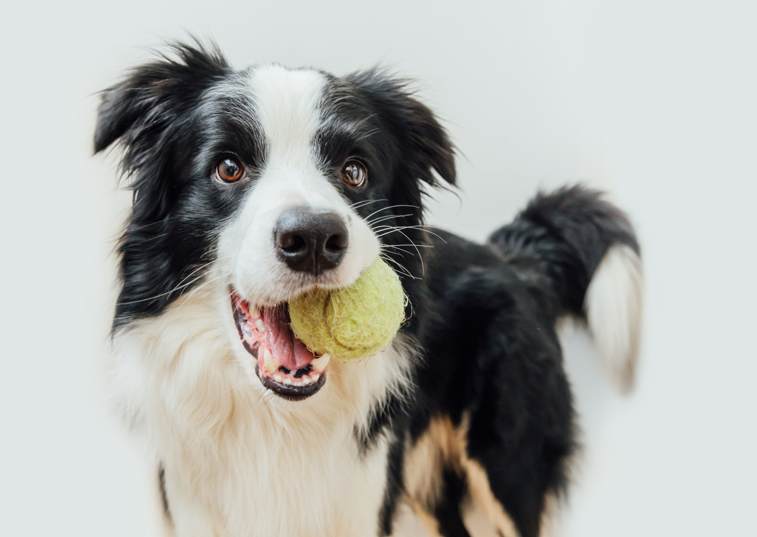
(586, 251)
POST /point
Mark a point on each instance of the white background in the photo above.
(653, 101)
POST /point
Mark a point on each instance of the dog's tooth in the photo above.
(271, 364)
(319, 364)
(306, 381)
(316, 377)
(278, 378)
(287, 382)
(259, 325)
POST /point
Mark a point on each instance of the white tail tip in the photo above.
(613, 309)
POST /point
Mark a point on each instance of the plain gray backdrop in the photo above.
(650, 100)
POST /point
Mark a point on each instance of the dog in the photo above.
(253, 186)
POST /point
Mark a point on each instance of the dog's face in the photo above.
(270, 182)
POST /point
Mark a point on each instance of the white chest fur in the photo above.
(240, 460)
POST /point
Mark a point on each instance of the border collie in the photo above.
(252, 186)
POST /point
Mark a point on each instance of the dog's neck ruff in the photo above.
(233, 452)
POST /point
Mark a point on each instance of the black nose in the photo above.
(310, 242)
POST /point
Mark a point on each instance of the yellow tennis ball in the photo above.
(353, 322)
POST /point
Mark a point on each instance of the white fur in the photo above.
(613, 308)
(287, 109)
(238, 459)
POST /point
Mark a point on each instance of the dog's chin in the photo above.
(283, 363)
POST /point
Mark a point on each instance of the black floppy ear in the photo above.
(425, 144)
(138, 109)
(149, 113)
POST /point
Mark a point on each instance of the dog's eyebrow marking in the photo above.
(230, 101)
(234, 94)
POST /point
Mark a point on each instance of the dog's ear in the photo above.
(425, 145)
(138, 110)
(147, 113)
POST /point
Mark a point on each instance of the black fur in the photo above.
(394, 469)
(492, 351)
(448, 511)
(171, 144)
(162, 487)
(482, 315)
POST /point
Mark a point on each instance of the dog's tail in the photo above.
(584, 250)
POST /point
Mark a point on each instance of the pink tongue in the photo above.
(286, 348)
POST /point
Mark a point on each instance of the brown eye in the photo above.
(229, 170)
(354, 173)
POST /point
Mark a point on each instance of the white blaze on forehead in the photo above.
(286, 106)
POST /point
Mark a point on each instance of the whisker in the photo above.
(388, 217)
(391, 207)
(367, 134)
(224, 275)
(431, 233)
(422, 228)
(181, 285)
(399, 266)
(402, 256)
(363, 203)
(367, 218)
(423, 268)
(414, 245)
(397, 247)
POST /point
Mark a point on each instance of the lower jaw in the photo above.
(252, 328)
(287, 391)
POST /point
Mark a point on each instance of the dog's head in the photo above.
(266, 181)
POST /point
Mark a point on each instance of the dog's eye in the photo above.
(229, 170)
(354, 173)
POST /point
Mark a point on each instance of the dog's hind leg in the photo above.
(508, 398)
(520, 425)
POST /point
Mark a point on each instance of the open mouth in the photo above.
(283, 363)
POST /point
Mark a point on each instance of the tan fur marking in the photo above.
(425, 460)
(445, 445)
(427, 519)
(482, 497)
(549, 516)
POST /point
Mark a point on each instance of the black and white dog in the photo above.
(253, 186)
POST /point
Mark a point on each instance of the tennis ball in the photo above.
(354, 322)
